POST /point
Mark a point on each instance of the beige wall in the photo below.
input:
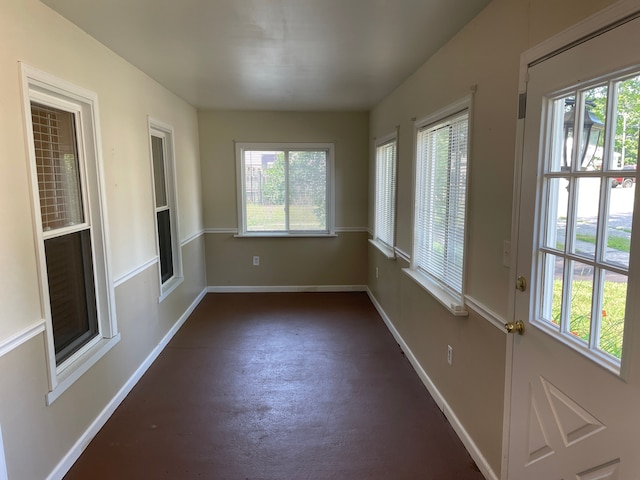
(36, 436)
(285, 261)
(484, 55)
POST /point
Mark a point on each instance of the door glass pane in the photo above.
(594, 107)
(71, 292)
(157, 148)
(561, 150)
(614, 301)
(56, 153)
(619, 225)
(552, 285)
(627, 123)
(308, 190)
(581, 300)
(587, 205)
(557, 205)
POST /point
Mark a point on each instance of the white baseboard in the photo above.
(287, 288)
(455, 422)
(70, 458)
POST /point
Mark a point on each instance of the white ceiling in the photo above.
(274, 54)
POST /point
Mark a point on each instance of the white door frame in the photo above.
(601, 21)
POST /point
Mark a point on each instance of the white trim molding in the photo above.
(74, 453)
(444, 406)
(234, 231)
(402, 255)
(287, 288)
(230, 230)
(136, 271)
(191, 238)
(489, 315)
(17, 339)
(600, 21)
(351, 230)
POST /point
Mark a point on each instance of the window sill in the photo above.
(170, 286)
(385, 250)
(454, 305)
(285, 235)
(68, 374)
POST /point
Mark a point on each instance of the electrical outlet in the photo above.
(256, 260)
(449, 354)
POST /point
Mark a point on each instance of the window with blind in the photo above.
(77, 293)
(385, 194)
(440, 204)
(169, 252)
(285, 189)
(67, 238)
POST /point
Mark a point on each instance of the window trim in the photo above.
(384, 247)
(166, 131)
(44, 88)
(453, 301)
(240, 147)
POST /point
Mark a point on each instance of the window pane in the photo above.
(158, 171)
(264, 190)
(385, 193)
(57, 166)
(307, 190)
(557, 205)
(587, 204)
(614, 302)
(164, 241)
(552, 286)
(581, 301)
(71, 291)
(441, 200)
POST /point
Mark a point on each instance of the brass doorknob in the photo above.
(513, 327)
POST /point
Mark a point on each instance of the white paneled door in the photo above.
(575, 403)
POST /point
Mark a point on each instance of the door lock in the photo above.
(521, 283)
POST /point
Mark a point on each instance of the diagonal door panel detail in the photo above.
(574, 422)
(538, 446)
(609, 471)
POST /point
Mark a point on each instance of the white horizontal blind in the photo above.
(385, 206)
(440, 208)
(57, 166)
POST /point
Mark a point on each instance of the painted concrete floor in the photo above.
(291, 386)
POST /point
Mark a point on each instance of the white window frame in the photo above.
(450, 298)
(43, 88)
(240, 177)
(166, 132)
(385, 196)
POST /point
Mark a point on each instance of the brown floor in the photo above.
(292, 386)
